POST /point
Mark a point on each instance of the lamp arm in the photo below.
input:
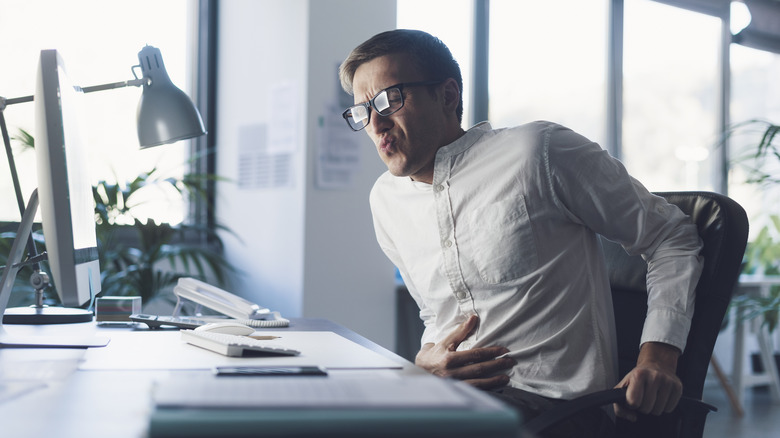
(5, 102)
(113, 85)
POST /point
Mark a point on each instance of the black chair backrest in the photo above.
(723, 227)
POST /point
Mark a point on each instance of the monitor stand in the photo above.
(46, 315)
(40, 313)
(6, 286)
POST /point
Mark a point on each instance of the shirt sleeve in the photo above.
(594, 189)
(427, 316)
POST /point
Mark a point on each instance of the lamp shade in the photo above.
(165, 113)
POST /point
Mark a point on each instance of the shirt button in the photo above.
(439, 187)
(448, 243)
(460, 294)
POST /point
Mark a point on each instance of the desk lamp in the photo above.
(165, 115)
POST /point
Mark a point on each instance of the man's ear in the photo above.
(451, 94)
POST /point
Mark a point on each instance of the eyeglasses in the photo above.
(386, 102)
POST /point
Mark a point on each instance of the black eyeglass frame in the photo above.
(371, 105)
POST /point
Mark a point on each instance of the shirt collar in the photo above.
(441, 166)
(464, 142)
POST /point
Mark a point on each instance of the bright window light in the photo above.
(454, 28)
(670, 101)
(99, 42)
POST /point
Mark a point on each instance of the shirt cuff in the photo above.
(667, 326)
(428, 336)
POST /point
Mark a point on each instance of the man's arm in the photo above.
(477, 366)
(611, 203)
(673, 271)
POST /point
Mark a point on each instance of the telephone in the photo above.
(190, 289)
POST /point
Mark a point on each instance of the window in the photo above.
(671, 75)
(453, 28)
(99, 42)
(755, 95)
(548, 61)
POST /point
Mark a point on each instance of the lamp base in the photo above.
(46, 315)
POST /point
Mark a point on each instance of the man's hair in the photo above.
(430, 56)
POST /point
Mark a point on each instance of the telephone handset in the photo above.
(217, 299)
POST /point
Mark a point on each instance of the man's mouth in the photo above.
(386, 144)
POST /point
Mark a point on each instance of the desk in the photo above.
(81, 402)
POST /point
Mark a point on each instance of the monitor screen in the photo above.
(64, 188)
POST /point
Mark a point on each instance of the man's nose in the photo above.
(380, 123)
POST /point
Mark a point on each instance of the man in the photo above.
(495, 235)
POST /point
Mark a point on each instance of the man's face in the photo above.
(408, 139)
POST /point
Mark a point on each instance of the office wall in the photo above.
(304, 250)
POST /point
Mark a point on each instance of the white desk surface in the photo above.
(82, 393)
(164, 350)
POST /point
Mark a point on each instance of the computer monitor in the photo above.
(65, 197)
(65, 191)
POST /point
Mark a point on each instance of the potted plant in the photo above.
(143, 258)
(762, 256)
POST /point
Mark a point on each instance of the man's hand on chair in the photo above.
(652, 386)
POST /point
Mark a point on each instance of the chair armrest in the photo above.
(596, 399)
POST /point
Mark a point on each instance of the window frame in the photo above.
(614, 110)
(203, 149)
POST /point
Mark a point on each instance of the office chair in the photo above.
(723, 227)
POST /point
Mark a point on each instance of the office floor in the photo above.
(761, 419)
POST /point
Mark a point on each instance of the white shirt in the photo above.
(508, 231)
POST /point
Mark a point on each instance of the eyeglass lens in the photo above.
(385, 103)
